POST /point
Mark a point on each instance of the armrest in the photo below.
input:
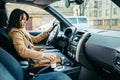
(38, 48)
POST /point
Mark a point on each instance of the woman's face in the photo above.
(23, 20)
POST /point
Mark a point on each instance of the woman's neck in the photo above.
(23, 29)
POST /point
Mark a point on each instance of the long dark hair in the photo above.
(3, 14)
(2, 4)
(14, 19)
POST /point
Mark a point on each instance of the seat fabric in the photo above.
(11, 65)
(6, 44)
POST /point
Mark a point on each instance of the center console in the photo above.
(66, 65)
(74, 44)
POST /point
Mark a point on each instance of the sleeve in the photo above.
(40, 37)
(22, 49)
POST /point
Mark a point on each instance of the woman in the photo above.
(22, 40)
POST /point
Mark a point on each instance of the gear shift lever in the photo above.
(63, 60)
(63, 65)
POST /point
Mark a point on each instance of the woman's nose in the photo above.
(25, 21)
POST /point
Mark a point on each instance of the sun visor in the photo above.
(44, 2)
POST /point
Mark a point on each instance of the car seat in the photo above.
(6, 44)
(10, 69)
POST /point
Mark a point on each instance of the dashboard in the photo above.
(76, 41)
(105, 51)
(101, 48)
(72, 48)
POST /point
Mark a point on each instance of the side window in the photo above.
(37, 17)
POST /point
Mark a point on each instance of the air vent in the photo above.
(117, 62)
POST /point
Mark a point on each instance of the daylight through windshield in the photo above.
(98, 14)
(102, 14)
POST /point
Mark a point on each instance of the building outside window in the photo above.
(114, 22)
(106, 22)
(100, 13)
(95, 13)
(95, 4)
(107, 12)
(115, 11)
(100, 4)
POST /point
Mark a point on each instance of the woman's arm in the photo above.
(21, 47)
(42, 35)
(39, 37)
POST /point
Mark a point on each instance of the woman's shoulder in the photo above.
(16, 30)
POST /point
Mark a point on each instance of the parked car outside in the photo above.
(80, 22)
(45, 27)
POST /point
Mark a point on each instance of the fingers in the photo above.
(50, 29)
(51, 56)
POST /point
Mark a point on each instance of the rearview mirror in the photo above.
(79, 1)
(68, 2)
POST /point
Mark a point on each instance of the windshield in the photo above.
(82, 20)
(95, 14)
(102, 14)
(72, 20)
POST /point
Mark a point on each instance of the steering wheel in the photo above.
(80, 56)
(53, 34)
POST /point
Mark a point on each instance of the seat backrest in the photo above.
(6, 44)
(5, 74)
(12, 69)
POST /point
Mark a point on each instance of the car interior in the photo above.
(85, 54)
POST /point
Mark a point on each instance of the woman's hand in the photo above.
(50, 29)
(50, 56)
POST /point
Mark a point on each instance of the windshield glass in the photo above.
(97, 14)
(82, 20)
(102, 14)
(72, 20)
